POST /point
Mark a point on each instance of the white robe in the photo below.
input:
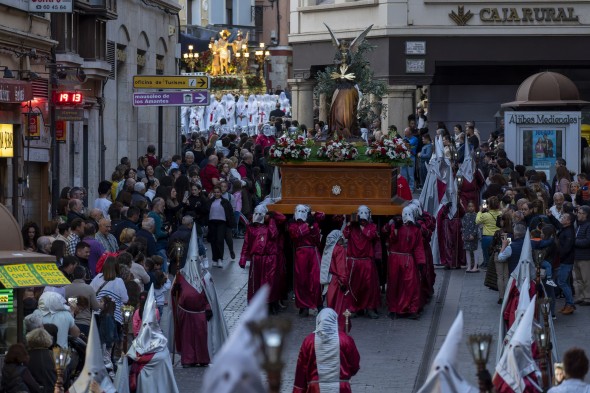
(197, 118)
(230, 111)
(157, 375)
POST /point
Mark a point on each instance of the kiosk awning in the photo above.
(31, 275)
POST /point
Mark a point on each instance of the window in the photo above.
(64, 29)
(141, 60)
(160, 65)
(93, 33)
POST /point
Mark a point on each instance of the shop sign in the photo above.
(531, 118)
(15, 92)
(53, 6)
(60, 131)
(34, 154)
(6, 140)
(6, 301)
(67, 114)
(31, 275)
(33, 131)
(548, 15)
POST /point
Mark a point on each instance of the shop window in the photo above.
(160, 65)
(141, 61)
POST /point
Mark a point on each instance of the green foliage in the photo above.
(364, 77)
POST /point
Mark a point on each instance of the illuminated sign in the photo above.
(6, 300)
(31, 275)
(6, 140)
(67, 98)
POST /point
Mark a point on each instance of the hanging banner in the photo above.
(6, 140)
(34, 129)
(60, 131)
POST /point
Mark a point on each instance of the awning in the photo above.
(31, 275)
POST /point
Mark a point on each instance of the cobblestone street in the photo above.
(395, 354)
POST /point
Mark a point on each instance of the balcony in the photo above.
(106, 9)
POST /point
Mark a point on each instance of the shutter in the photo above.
(112, 58)
(40, 88)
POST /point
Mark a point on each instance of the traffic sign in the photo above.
(172, 98)
(170, 82)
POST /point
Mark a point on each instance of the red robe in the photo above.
(306, 241)
(470, 190)
(450, 242)
(191, 322)
(337, 299)
(364, 280)
(405, 253)
(261, 247)
(502, 387)
(509, 314)
(307, 370)
(427, 225)
(403, 188)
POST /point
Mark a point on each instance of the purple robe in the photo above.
(191, 326)
(450, 241)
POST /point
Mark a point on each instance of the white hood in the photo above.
(327, 351)
(94, 367)
(236, 367)
(150, 338)
(467, 168)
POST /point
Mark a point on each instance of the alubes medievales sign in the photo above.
(516, 15)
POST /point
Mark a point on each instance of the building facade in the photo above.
(25, 49)
(468, 56)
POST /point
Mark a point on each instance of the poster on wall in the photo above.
(544, 145)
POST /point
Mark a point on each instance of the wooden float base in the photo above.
(339, 187)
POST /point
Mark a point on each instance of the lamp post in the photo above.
(61, 358)
(261, 56)
(539, 256)
(543, 342)
(127, 316)
(546, 312)
(272, 332)
(479, 346)
(191, 58)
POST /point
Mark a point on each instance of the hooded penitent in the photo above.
(444, 373)
(517, 364)
(327, 351)
(94, 367)
(199, 279)
(260, 212)
(467, 167)
(236, 367)
(301, 212)
(364, 213)
(331, 241)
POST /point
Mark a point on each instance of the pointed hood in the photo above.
(191, 270)
(525, 268)
(524, 301)
(444, 375)
(467, 168)
(150, 338)
(94, 367)
(331, 240)
(236, 367)
(517, 361)
(429, 199)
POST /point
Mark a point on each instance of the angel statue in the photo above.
(343, 110)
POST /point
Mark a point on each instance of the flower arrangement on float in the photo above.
(338, 149)
(291, 148)
(390, 150)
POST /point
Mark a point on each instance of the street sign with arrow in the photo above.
(172, 98)
(192, 82)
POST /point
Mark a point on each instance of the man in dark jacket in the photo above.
(582, 258)
(511, 250)
(129, 222)
(567, 238)
(146, 231)
(182, 236)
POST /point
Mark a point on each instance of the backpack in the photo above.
(107, 327)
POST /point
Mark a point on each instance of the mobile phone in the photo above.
(185, 194)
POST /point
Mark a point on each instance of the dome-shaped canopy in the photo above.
(547, 89)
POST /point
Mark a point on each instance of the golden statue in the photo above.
(239, 42)
(222, 45)
(345, 100)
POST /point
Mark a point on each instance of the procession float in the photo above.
(336, 175)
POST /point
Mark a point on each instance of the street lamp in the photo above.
(543, 342)
(242, 56)
(261, 56)
(191, 58)
(61, 358)
(479, 346)
(272, 332)
(127, 316)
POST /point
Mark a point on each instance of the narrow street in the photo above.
(395, 354)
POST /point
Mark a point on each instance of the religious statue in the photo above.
(236, 45)
(222, 44)
(343, 110)
(215, 66)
